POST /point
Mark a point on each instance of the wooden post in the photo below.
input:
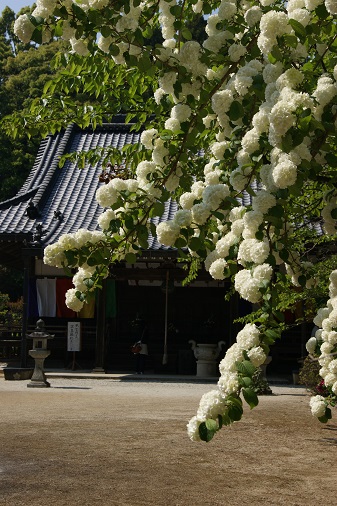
(26, 275)
(100, 331)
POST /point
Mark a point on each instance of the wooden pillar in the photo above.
(234, 313)
(27, 259)
(100, 331)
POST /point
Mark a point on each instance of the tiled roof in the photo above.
(65, 197)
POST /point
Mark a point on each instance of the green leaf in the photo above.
(231, 399)
(157, 210)
(144, 63)
(37, 36)
(321, 11)
(204, 433)
(246, 368)
(304, 122)
(277, 211)
(130, 258)
(180, 243)
(290, 40)
(195, 244)
(186, 34)
(89, 283)
(225, 420)
(298, 29)
(287, 143)
(105, 31)
(79, 13)
(331, 159)
(236, 111)
(271, 59)
(284, 254)
(246, 381)
(302, 280)
(272, 335)
(276, 53)
(211, 424)
(316, 125)
(334, 213)
(235, 412)
(250, 397)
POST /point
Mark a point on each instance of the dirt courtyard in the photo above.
(104, 442)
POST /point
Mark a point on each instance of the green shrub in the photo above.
(260, 384)
(309, 376)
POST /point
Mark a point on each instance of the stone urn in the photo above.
(206, 355)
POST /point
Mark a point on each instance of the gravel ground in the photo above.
(104, 442)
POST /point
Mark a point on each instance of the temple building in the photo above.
(55, 201)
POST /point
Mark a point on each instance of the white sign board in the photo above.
(74, 336)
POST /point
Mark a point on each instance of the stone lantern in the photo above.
(39, 353)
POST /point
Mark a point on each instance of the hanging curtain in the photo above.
(46, 296)
(62, 285)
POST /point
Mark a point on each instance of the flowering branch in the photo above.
(253, 107)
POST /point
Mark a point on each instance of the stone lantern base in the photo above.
(38, 380)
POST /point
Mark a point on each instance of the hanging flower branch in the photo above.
(249, 109)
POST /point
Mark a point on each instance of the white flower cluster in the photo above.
(331, 6)
(330, 223)
(148, 137)
(168, 232)
(217, 268)
(221, 102)
(107, 195)
(214, 403)
(326, 338)
(79, 46)
(80, 277)
(24, 28)
(129, 20)
(282, 115)
(325, 92)
(244, 76)
(167, 19)
(248, 339)
(272, 25)
(54, 253)
(105, 219)
(253, 251)
(249, 282)
(72, 301)
(44, 8)
(190, 58)
(318, 405)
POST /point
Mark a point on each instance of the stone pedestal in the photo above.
(39, 378)
(263, 367)
(206, 355)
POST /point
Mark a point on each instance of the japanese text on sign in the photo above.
(74, 336)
